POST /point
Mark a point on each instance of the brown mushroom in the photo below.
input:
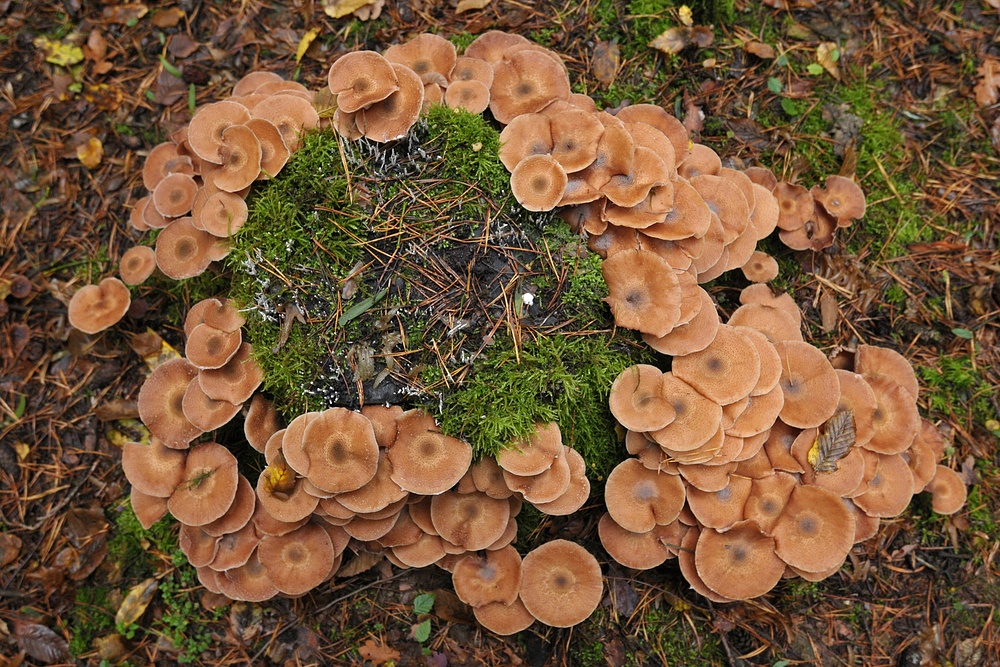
(94, 308)
(561, 583)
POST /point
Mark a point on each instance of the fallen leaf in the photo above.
(22, 449)
(304, 43)
(167, 18)
(135, 603)
(694, 117)
(41, 642)
(760, 49)
(339, 8)
(126, 14)
(59, 53)
(96, 47)
(449, 608)
(279, 478)
(702, 36)
(827, 55)
(90, 153)
(605, 62)
(470, 5)
(829, 311)
(127, 430)
(153, 349)
(111, 648)
(987, 89)
(116, 408)
(835, 442)
(671, 41)
(686, 15)
(325, 102)
(370, 12)
(377, 652)
(246, 620)
(362, 562)
(10, 548)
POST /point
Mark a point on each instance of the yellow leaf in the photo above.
(686, 16)
(90, 153)
(338, 8)
(127, 430)
(59, 53)
(280, 478)
(827, 55)
(135, 603)
(22, 449)
(470, 5)
(305, 42)
(813, 455)
(153, 349)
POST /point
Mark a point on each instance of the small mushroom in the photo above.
(94, 308)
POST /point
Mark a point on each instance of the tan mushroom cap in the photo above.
(636, 399)
(423, 54)
(393, 117)
(491, 45)
(725, 371)
(848, 474)
(533, 455)
(341, 450)
(157, 164)
(204, 412)
(739, 563)
(895, 420)
(262, 421)
(698, 418)
(198, 546)
(148, 509)
(236, 381)
(491, 577)
(764, 216)
(560, 583)
(137, 264)
(222, 315)
(810, 385)
(299, 561)
(890, 490)
(425, 460)
(579, 487)
(524, 82)
(472, 521)
(137, 213)
(871, 360)
(686, 562)
(239, 513)
(762, 177)
(223, 214)
(947, 490)
(692, 337)
(377, 494)
(287, 506)
(643, 291)
(361, 78)
(723, 508)
(239, 157)
(842, 198)
(471, 69)
(795, 205)
(208, 124)
(777, 324)
(174, 195)
(538, 182)
(251, 81)
(546, 486)
(504, 619)
(761, 294)
(761, 268)
(250, 582)
(182, 250)
(857, 396)
(234, 549)
(208, 347)
(639, 499)
(639, 551)
(154, 469)
(815, 531)
(427, 550)
(487, 476)
(160, 403)
(725, 200)
(575, 135)
(767, 499)
(653, 115)
(208, 487)
(290, 115)
(526, 135)
(94, 308)
(268, 525)
(274, 152)
(473, 96)
(648, 170)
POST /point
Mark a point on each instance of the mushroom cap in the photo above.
(234, 549)
(533, 455)
(686, 561)
(526, 135)
(274, 152)
(239, 513)
(725, 371)
(689, 216)
(767, 499)
(148, 509)
(377, 494)
(239, 157)
(761, 268)
(204, 412)
(795, 205)
(764, 217)
(777, 324)
(726, 201)
(236, 381)
(815, 531)
(577, 493)
(473, 96)
(154, 469)
(291, 115)
(648, 170)
(739, 563)
(299, 561)
(842, 198)
(538, 182)
(423, 54)
(723, 508)
(208, 124)
(575, 135)
(895, 420)
(208, 487)
(560, 583)
(947, 490)
(94, 308)
(472, 521)
(762, 294)
(872, 360)
(158, 163)
(504, 619)
(643, 291)
(361, 78)
(636, 399)
(288, 506)
(251, 81)
(174, 195)
(392, 117)
(137, 264)
(198, 546)
(546, 486)
(524, 82)
(262, 421)
(182, 250)
(471, 69)
(222, 315)
(890, 490)
(656, 116)
(161, 400)
(208, 347)
(759, 415)
(341, 450)
(223, 214)
(424, 460)
(487, 476)
(491, 577)
(809, 383)
(698, 418)
(700, 161)
(694, 336)
(857, 396)
(639, 551)
(762, 177)
(250, 582)
(427, 550)
(491, 45)
(639, 499)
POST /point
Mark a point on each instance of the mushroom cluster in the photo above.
(757, 459)
(754, 458)
(809, 219)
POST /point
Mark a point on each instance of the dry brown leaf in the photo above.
(827, 55)
(449, 608)
(836, 441)
(470, 5)
(96, 47)
(10, 548)
(987, 89)
(124, 14)
(605, 62)
(830, 312)
(363, 562)
(41, 642)
(90, 153)
(671, 40)
(760, 49)
(135, 603)
(339, 8)
(702, 36)
(167, 18)
(377, 652)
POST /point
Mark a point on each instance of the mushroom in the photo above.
(424, 54)
(492, 577)
(148, 509)
(472, 521)
(725, 371)
(694, 336)
(538, 182)
(815, 530)
(698, 418)
(136, 265)
(236, 381)
(340, 447)
(290, 115)
(639, 499)
(809, 383)
(206, 413)
(250, 582)
(560, 583)
(524, 82)
(739, 563)
(425, 460)
(153, 469)
(575, 135)
(239, 513)
(207, 347)
(208, 125)
(183, 251)
(491, 45)
(655, 116)
(299, 561)
(795, 205)
(222, 315)
(361, 78)
(473, 96)
(761, 268)
(842, 198)
(533, 455)
(208, 486)
(639, 551)
(643, 291)
(579, 487)
(174, 195)
(636, 399)
(504, 619)
(94, 308)
(392, 117)
(223, 214)
(160, 403)
(947, 490)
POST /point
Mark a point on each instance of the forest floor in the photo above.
(909, 104)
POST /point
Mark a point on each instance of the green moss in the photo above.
(92, 616)
(957, 389)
